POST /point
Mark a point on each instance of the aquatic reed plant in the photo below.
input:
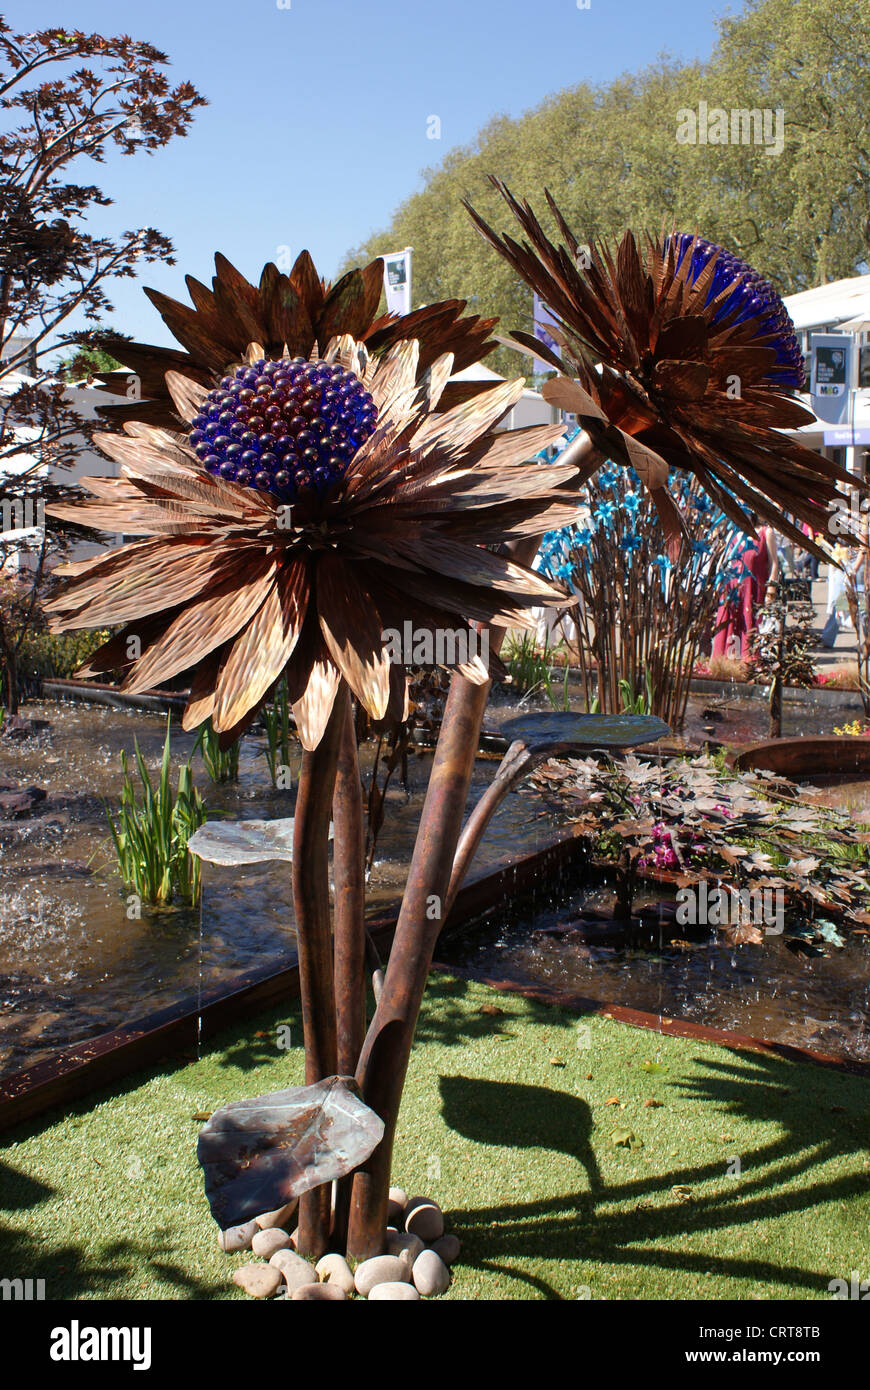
(276, 721)
(152, 831)
(221, 764)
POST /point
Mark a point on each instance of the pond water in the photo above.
(73, 963)
(765, 991)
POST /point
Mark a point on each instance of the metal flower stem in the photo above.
(384, 1059)
(349, 927)
(314, 945)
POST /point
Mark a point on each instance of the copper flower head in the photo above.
(681, 356)
(298, 310)
(312, 507)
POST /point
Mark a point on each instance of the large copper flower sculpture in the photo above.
(679, 356)
(299, 310)
(312, 507)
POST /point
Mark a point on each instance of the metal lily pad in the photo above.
(258, 1154)
(586, 730)
(244, 841)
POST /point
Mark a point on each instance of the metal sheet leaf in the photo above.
(588, 730)
(230, 843)
(258, 1154)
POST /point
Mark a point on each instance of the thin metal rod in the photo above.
(384, 1059)
(349, 928)
(314, 946)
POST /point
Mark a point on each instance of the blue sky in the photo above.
(317, 127)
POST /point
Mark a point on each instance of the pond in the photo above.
(73, 963)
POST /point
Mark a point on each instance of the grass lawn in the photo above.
(750, 1177)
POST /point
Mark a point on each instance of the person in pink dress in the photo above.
(736, 618)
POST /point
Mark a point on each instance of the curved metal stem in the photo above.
(314, 945)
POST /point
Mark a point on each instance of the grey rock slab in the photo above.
(585, 730)
(259, 1154)
(233, 843)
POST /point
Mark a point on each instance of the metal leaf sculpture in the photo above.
(586, 730)
(232, 843)
(258, 1154)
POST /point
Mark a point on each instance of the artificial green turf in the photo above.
(508, 1121)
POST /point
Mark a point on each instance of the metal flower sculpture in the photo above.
(677, 355)
(299, 311)
(295, 504)
(312, 507)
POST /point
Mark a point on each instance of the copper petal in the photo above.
(352, 629)
(260, 654)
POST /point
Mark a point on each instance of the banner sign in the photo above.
(848, 437)
(542, 319)
(831, 356)
(397, 281)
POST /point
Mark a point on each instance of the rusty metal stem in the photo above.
(314, 945)
(384, 1059)
(349, 927)
(517, 761)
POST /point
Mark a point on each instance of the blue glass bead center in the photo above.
(753, 297)
(283, 426)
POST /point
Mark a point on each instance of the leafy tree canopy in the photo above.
(611, 158)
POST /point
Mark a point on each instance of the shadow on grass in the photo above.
(620, 1224)
(71, 1271)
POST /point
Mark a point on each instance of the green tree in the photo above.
(611, 158)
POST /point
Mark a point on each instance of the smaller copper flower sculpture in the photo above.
(312, 506)
(299, 311)
(681, 356)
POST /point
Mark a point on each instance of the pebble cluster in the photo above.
(416, 1263)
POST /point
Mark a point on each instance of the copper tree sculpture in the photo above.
(305, 476)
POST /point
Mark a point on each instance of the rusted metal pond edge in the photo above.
(657, 1023)
(75, 1072)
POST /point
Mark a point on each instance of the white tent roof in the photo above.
(838, 305)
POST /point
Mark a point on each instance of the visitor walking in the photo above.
(754, 585)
